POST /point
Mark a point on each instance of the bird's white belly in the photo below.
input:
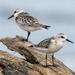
(29, 28)
(51, 49)
(54, 48)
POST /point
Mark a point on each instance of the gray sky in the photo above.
(59, 14)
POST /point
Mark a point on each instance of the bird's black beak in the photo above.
(11, 16)
(69, 40)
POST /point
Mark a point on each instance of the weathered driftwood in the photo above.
(34, 63)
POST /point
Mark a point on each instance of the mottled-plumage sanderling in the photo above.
(51, 45)
(27, 22)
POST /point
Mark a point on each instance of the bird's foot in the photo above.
(45, 66)
(54, 65)
(24, 40)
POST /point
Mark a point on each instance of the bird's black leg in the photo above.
(28, 36)
(46, 60)
(53, 59)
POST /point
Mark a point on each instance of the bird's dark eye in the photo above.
(14, 11)
(62, 36)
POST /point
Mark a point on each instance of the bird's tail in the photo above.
(46, 27)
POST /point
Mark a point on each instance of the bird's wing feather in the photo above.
(45, 43)
(27, 19)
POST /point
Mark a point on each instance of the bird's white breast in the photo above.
(55, 46)
(27, 27)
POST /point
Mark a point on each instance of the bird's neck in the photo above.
(59, 41)
(16, 14)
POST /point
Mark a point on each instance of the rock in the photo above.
(34, 63)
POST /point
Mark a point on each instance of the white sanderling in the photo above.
(27, 22)
(51, 45)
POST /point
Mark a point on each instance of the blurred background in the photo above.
(59, 14)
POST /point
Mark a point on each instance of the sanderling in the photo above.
(27, 22)
(51, 45)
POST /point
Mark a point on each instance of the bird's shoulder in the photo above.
(27, 16)
(45, 43)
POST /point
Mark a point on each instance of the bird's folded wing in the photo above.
(45, 43)
(26, 19)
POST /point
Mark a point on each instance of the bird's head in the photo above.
(16, 12)
(62, 37)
